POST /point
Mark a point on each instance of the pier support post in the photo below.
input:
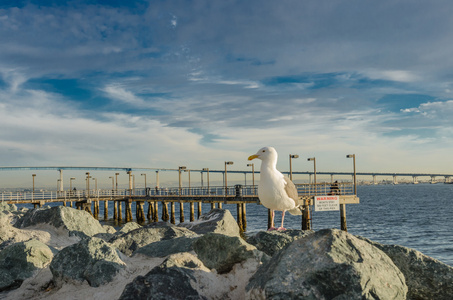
(106, 210)
(139, 212)
(192, 212)
(165, 215)
(156, 212)
(172, 213)
(128, 210)
(244, 216)
(150, 213)
(115, 210)
(219, 205)
(120, 217)
(181, 212)
(270, 218)
(343, 217)
(239, 217)
(306, 220)
(199, 210)
(212, 205)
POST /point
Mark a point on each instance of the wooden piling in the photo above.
(306, 221)
(64, 203)
(343, 217)
(165, 215)
(199, 210)
(139, 212)
(172, 213)
(181, 212)
(156, 212)
(270, 219)
(244, 217)
(239, 217)
(106, 210)
(150, 213)
(192, 212)
(115, 210)
(120, 217)
(212, 205)
(219, 205)
(129, 210)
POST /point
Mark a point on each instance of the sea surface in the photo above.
(415, 216)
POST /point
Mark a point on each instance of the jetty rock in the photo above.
(271, 242)
(91, 259)
(215, 221)
(21, 261)
(328, 264)
(131, 241)
(426, 277)
(166, 247)
(77, 222)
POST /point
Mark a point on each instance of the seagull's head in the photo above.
(265, 154)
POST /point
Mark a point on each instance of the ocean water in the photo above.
(414, 216)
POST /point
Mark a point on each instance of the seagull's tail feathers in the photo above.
(296, 211)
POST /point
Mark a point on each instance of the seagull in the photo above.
(276, 191)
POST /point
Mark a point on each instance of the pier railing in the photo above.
(237, 191)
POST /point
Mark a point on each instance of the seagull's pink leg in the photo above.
(272, 222)
(283, 218)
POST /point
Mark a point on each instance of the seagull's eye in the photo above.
(264, 150)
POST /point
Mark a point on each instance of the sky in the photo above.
(160, 84)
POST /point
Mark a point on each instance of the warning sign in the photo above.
(327, 203)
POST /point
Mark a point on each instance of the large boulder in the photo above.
(426, 277)
(7, 207)
(173, 279)
(222, 252)
(20, 261)
(129, 226)
(270, 242)
(167, 247)
(91, 259)
(329, 264)
(216, 221)
(76, 222)
(135, 239)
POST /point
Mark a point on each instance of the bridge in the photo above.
(447, 177)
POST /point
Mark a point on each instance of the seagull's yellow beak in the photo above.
(253, 156)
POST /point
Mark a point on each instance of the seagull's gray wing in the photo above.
(291, 190)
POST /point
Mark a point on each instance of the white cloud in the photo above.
(393, 75)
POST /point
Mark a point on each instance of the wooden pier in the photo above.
(148, 199)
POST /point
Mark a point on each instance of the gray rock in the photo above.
(19, 262)
(129, 226)
(270, 242)
(77, 222)
(7, 207)
(135, 239)
(91, 259)
(222, 252)
(329, 264)
(216, 221)
(172, 280)
(109, 229)
(167, 247)
(426, 277)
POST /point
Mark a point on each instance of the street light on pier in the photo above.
(33, 191)
(314, 167)
(145, 181)
(70, 183)
(253, 176)
(87, 179)
(113, 182)
(189, 180)
(96, 184)
(355, 177)
(179, 171)
(116, 178)
(226, 181)
(207, 177)
(291, 156)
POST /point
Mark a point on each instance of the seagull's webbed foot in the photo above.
(281, 228)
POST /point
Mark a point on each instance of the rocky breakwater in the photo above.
(63, 253)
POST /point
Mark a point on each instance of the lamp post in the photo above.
(145, 182)
(70, 183)
(253, 177)
(116, 178)
(188, 171)
(113, 182)
(355, 178)
(314, 166)
(226, 181)
(95, 184)
(291, 156)
(88, 183)
(207, 177)
(33, 191)
(179, 171)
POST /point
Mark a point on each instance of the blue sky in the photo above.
(196, 83)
